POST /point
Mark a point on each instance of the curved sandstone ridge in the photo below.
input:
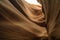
(34, 12)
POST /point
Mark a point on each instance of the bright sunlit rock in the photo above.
(33, 2)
